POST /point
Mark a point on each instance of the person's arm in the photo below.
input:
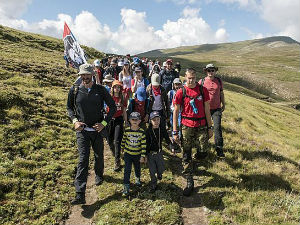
(78, 125)
(125, 115)
(134, 84)
(222, 100)
(143, 149)
(208, 118)
(175, 122)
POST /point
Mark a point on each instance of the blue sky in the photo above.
(137, 26)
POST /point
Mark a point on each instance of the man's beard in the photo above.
(87, 80)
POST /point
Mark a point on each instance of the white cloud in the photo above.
(134, 34)
(283, 16)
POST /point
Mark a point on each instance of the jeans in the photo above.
(129, 160)
(216, 115)
(86, 139)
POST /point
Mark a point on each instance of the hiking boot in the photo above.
(159, 176)
(126, 190)
(79, 199)
(99, 181)
(117, 166)
(200, 155)
(189, 187)
(153, 188)
(220, 153)
(138, 182)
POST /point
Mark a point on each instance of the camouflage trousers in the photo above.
(194, 139)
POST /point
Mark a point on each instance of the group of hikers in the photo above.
(135, 104)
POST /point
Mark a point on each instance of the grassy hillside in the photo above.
(269, 66)
(257, 183)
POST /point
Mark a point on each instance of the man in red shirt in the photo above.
(217, 103)
(196, 123)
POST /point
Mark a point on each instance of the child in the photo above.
(134, 148)
(139, 104)
(116, 124)
(154, 136)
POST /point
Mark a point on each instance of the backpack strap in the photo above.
(75, 92)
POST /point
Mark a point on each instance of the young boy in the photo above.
(134, 148)
(154, 137)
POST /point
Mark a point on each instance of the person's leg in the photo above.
(217, 116)
(83, 143)
(117, 142)
(160, 165)
(152, 169)
(110, 138)
(98, 147)
(137, 169)
(127, 167)
(187, 163)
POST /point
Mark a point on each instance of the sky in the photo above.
(136, 26)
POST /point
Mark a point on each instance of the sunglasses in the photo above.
(210, 71)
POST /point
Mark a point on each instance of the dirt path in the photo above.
(193, 211)
(83, 214)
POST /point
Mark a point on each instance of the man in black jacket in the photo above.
(85, 104)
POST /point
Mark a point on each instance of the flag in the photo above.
(73, 53)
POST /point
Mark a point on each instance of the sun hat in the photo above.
(117, 82)
(155, 79)
(86, 69)
(210, 66)
(177, 81)
(108, 78)
(137, 68)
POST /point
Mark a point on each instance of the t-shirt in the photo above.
(134, 142)
(139, 107)
(126, 80)
(143, 83)
(214, 88)
(120, 106)
(187, 109)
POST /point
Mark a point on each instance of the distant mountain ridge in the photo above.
(269, 65)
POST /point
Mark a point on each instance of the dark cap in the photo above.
(135, 115)
(154, 114)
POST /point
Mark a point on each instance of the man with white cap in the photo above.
(84, 105)
(214, 86)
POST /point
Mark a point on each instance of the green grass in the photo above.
(273, 67)
(257, 183)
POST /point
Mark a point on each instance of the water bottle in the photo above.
(192, 103)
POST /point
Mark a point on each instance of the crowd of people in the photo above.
(135, 104)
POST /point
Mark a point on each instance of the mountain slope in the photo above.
(257, 183)
(269, 66)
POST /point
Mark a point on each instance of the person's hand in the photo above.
(98, 127)
(79, 126)
(146, 118)
(223, 108)
(176, 138)
(210, 133)
(126, 124)
(143, 159)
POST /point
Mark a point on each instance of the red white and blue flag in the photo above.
(73, 53)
